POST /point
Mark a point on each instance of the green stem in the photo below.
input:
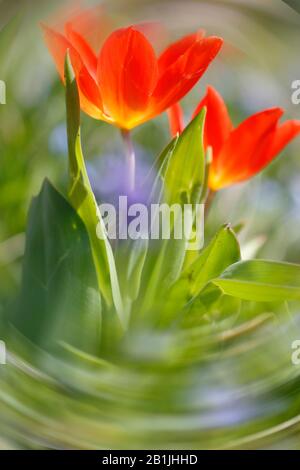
(130, 159)
(210, 197)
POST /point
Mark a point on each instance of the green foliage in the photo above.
(221, 252)
(261, 281)
(181, 176)
(156, 279)
(211, 366)
(83, 200)
(184, 174)
(148, 313)
(59, 299)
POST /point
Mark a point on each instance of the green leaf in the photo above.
(182, 170)
(222, 251)
(203, 302)
(163, 159)
(261, 281)
(209, 305)
(130, 258)
(59, 299)
(193, 294)
(131, 255)
(136, 262)
(185, 172)
(83, 200)
(160, 165)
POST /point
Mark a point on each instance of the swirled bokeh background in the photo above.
(229, 382)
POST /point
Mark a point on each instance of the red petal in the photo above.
(58, 46)
(246, 151)
(127, 73)
(217, 122)
(89, 93)
(284, 134)
(175, 119)
(83, 48)
(178, 79)
(90, 98)
(177, 49)
(91, 24)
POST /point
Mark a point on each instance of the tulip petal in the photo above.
(283, 136)
(86, 53)
(175, 115)
(217, 122)
(246, 151)
(172, 53)
(58, 46)
(179, 78)
(90, 98)
(91, 24)
(127, 74)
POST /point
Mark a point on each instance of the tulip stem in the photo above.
(130, 159)
(210, 197)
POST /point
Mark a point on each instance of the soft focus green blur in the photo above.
(245, 395)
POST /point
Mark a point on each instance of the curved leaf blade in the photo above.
(59, 299)
(222, 251)
(83, 201)
(261, 281)
(185, 172)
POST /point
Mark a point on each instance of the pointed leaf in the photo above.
(59, 300)
(182, 170)
(261, 281)
(221, 252)
(83, 200)
(185, 173)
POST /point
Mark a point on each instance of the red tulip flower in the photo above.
(122, 81)
(238, 153)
